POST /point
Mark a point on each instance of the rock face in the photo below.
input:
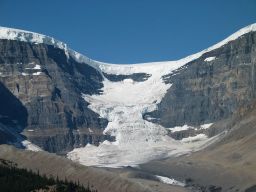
(41, 94)
(211, 87)
(137, 77)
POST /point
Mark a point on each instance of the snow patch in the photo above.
(24, 74)
(37, 73)
(36, 67)
(199, 137)
(90, 130)
(208, 59)
(170, 181)
(186, 127)
(206, 126)
(30, 146)
(180, 128)
(128, 81)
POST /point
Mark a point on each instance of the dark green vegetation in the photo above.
(14, 179)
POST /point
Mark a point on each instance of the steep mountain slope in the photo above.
(135, 113)
(44, 89)
(218, 83)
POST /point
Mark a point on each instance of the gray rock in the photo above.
(209, 91)
(138, 77)
(49, 104)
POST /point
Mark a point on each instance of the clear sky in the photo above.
(131, 31)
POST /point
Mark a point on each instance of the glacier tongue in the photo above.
(123, 104)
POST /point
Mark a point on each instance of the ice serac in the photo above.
(126, 114)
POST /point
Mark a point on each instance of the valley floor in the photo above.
(102, 179)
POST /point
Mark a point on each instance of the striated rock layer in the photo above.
(210, 90)
(44, 96)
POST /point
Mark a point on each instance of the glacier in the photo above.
(123, 103)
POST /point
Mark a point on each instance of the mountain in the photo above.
(110, 115)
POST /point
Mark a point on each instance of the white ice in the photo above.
(24, 74)
(187, 127)
(208, 59)
(37, 73)
(169, 181)
(206, 126)
(30, 146)
(36, 67)
(199, 137)
(180, 128)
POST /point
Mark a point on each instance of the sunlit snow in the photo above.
(36, 73)
(24, 74)
(186, 127)
(206, 126)
(199, 137)
(170, 181)
(36, 67)
(210, 59)
(30, 146)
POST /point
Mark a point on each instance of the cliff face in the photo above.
(211, 87)
(41, 95)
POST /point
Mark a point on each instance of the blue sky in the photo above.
(131, 31)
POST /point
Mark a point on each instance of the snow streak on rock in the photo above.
(208, 59)
(186, 127)
(170, 181)
(30, 146)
